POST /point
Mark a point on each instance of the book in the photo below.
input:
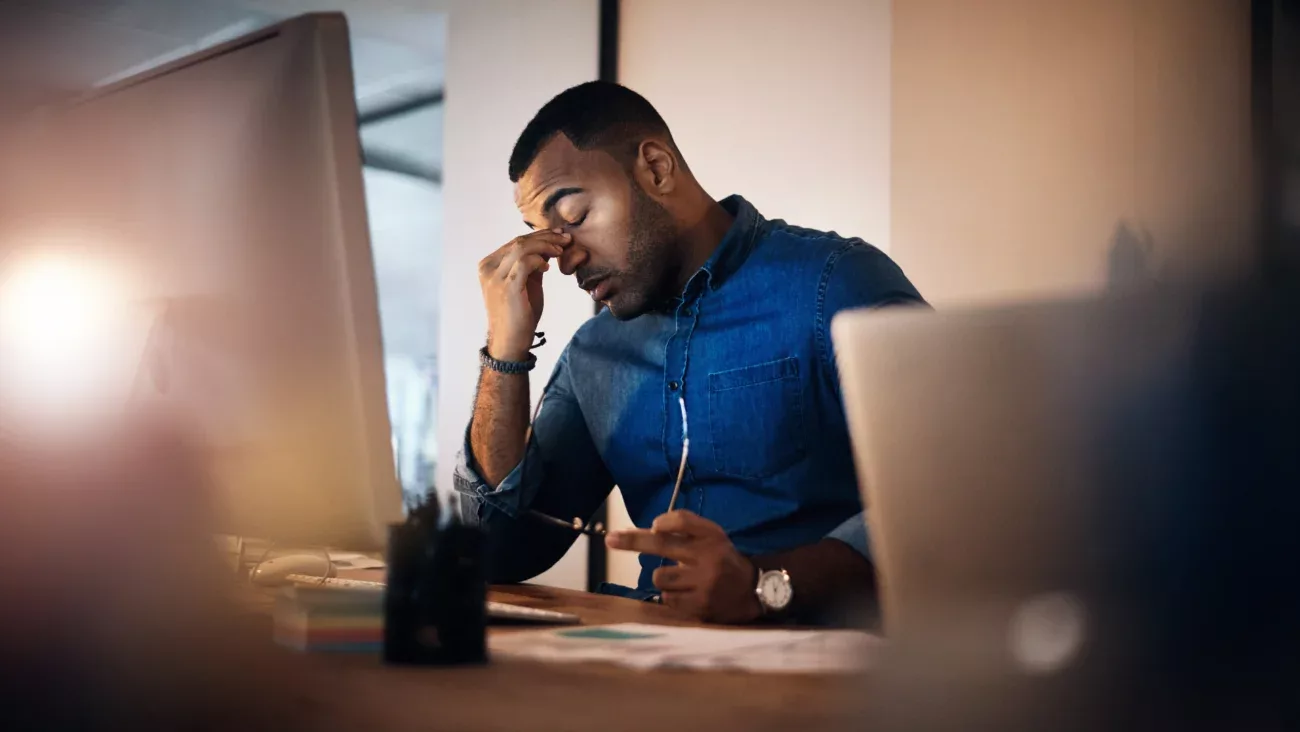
(320, 619)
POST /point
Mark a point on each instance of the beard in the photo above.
(650, 278)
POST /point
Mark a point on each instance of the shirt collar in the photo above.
(735, 246)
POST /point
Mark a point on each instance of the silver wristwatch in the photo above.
(774, 591)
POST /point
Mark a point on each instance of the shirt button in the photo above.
(673, 386)
(688, 312)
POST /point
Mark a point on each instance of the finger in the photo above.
(686, 522)
(525, 267)
(554, 236)
(674, 579)
(536, 249)
(565, 237)
(668, 546)
(546, 243)
(497, 263)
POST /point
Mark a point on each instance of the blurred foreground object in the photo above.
(117, 611)
(434, 605)
(1084, 512)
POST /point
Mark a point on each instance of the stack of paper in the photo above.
(329, 620)
(354, 560)
(655, 646)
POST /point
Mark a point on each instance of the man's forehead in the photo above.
(559, 164)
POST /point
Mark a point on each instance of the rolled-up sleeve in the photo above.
(480, 503)
(561, 475)
(854, 533)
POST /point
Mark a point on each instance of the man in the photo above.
(715, 327)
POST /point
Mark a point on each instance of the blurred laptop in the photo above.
(1050, 501)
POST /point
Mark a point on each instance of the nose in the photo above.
(574, 256)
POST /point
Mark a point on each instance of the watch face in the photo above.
(774, 590)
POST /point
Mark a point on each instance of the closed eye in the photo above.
(575, 224)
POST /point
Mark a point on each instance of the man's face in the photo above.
(624, 242)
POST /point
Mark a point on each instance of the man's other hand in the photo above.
(711, 580)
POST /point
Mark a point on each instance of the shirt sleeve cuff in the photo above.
(854, 533)
(478, 501)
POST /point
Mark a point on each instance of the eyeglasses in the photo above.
(597, 529)
(686, 449)
(577, 524)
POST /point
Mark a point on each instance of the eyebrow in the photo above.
(556, 196)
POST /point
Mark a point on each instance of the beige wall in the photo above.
(1025, 131)
(786, 103)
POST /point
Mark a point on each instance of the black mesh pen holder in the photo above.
(434, 605)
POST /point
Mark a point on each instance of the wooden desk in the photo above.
(358, 692)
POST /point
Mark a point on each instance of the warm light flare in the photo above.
(64, 336)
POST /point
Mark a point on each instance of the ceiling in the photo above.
(53, 48)
(79, 42)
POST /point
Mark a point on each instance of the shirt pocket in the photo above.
(756, 418)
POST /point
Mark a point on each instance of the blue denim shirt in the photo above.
(748, 347)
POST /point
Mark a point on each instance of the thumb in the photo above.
(534, 278)
(684, 522)
(534, 284)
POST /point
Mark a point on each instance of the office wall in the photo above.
(505, 59)
(1026, 132)
(786, 103)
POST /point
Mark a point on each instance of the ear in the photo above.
(657, 167)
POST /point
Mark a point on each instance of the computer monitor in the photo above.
(222, 195)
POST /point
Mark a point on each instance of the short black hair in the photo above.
(594, 115)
